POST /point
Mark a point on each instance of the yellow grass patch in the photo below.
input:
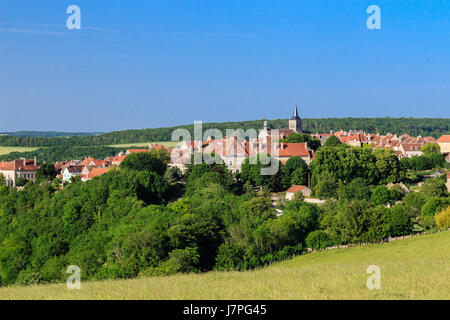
(166, 144)
(6, 150)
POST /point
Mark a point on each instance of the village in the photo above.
(232, 151)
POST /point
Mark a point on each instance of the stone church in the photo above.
(295, 122)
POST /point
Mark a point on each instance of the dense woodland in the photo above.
(434, 127)
(145, 219)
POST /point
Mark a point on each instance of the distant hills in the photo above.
(48, 134)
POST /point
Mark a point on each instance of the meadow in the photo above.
(415, 268)
(166, 144)
(6, 150)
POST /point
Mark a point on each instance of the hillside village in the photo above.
(232, 150)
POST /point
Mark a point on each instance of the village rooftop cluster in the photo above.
(232, 151)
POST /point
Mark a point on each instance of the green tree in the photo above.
(381, 195)
(434, 205)
(251, 172)
(397, 221)
(357, 189)
(20, 182)
(144, 161)
(326, 186)
(295, 172)
(332, 141)
(430, 148)
(46, 172)
(389, 169)
(433, 188)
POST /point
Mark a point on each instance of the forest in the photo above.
(145, 218)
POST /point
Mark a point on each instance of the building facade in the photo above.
(16, 169)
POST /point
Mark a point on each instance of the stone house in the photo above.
(22, 168)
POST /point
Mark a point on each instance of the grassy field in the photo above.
(417, 268)
(6, 150)
(145, 144)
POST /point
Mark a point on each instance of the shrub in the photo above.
(397, 221)
(318, 239)
(427, 222)
(180, 260)
(443, 219)
(434, 205)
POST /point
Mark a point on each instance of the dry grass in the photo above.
(6, 150)
(416, 268)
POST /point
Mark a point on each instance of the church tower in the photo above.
(295, 123)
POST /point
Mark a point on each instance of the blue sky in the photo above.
(142, 64)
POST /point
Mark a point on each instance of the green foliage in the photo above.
(381, 195)
(326, 186)
(318, 239)
(424, 162)
(46, 172)
(434, 205)
(294, 172)
(20, 182)
(144, 161)
(173, 175)
(348, 163)
(120, 225)
(397, 221)
(430, 148)
(357, 189)
(251, 172)
(433, 188)
(180, 261)
(332, 141)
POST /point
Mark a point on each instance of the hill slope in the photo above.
(416, 268)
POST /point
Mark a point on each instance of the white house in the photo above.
(72, 171)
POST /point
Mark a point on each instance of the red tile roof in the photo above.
(296, 188)
(444, 138)
(137, 150)
(95, 172)
(157, 146)
(293, 149)
(19, 165)
(75, 169)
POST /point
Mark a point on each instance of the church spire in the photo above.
(295, 116)
(295, 123)
(295, 111)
